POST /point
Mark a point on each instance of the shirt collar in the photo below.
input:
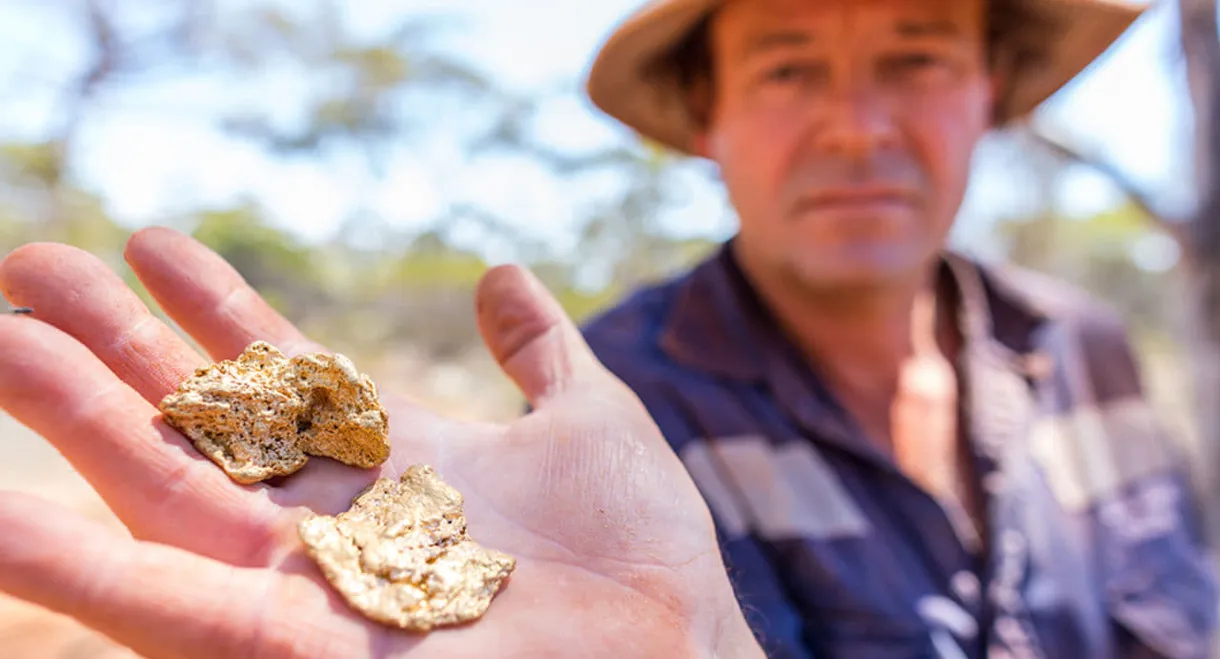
(719, 324)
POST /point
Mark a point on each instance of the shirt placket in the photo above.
(1003, 409)
(801, 396)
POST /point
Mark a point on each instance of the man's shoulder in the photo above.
(1055, 299)
(1087, 336)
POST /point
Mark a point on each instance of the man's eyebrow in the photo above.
(772, 39)
(930, 28)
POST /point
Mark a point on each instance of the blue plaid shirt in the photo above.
(1090, 549)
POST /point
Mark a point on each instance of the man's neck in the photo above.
(857, 342)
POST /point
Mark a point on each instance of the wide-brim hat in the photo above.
(623, 84)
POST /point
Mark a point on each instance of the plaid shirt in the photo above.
(1091, 546)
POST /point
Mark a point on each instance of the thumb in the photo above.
(531, 336)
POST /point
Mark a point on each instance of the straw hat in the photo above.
(620, 85)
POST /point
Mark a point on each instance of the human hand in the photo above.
(616, 554)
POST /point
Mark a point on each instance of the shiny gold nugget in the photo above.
(262, 414)
(401, 555)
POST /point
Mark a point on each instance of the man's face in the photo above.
(844, 130)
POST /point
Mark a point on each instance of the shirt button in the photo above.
(966, 586)
(1039, 365)
(1009, 631)
(1012, 542)
(993, 483)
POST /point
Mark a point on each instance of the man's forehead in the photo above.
(908, 17)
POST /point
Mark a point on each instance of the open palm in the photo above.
(615, 550)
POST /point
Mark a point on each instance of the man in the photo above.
(906, 453)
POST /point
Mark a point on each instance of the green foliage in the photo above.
(430, 263)
(581, 305)
(375, 67)
(41, 162)
(266, 257)
(246, 241)
(1097, 253)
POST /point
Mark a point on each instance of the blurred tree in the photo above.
(359, 93)
(621, 235)
(622, 242)
(1201, 243)
(1113, 254)
(268, 258)
(370, 95)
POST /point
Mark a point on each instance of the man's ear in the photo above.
(998, 79)
(699, 109)
(700, 144)
(998, 82)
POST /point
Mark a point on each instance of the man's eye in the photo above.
(918, 61)
(790, 72)
(914, 64)
(782, 73)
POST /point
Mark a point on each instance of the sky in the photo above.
(152, 151)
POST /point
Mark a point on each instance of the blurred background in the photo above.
(363, 163)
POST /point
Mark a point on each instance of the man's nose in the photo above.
(855, 120)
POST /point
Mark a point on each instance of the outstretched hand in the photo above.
(616, 554)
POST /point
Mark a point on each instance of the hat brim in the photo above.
(619, 81)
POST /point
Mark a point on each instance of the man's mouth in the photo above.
(856, 199)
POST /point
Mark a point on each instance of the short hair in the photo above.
(1017, 35)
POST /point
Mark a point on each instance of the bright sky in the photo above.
(153, 151)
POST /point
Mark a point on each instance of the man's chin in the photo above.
(861, 269)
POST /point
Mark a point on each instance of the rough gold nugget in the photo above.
(262, 415)
(401, 555)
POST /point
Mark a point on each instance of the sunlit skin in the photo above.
(843, 131)
(616, 554)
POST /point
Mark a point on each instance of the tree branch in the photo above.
(1174, 227)
(1202, 52)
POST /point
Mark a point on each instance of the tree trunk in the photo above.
(1201, 247)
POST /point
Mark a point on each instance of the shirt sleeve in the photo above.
(1158, 582)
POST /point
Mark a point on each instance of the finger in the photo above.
(531, 336)
(212, 302)
(74, 291)
(148, 474)
(158, 600)
(207, 297)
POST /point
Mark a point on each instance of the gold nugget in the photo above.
(262, 414)
(401, 555)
